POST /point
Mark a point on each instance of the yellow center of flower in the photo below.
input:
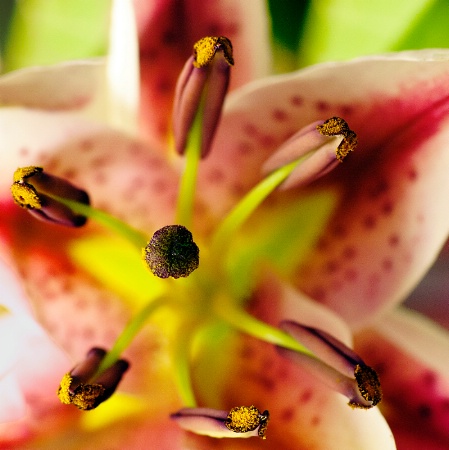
(25, 195)
(247, 418)
(206, 48)
(338, 126)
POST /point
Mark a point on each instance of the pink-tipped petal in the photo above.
(410, 353)
(385, 231)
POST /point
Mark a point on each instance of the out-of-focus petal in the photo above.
(30, 361)
(123, 68)
(78, 86)
(385, 231)
(410, 354)
(169, 28)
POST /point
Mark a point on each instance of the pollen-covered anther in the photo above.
(205, 49)
(172, 252)
(43, 196)
(242, 419)
(369, 385)
(25, 195)
(84, 388)
(338, 126)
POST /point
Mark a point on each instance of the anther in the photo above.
(242, 419)
(338, 126)
(38, 191)
(202, 86)
(86, 389)
(369, 385)
(205, 49)
(172, 252)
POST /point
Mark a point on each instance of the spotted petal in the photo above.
(410, 353)
(392, 217)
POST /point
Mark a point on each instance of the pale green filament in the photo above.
(240, 320)
(187, 186)
(130, 331)
(131, 234)
(249, 203)
(182, 367)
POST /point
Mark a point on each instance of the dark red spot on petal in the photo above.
(296, 100)
(322, 106)
(387, 264)
(369, 222)
(387, 207)
(349, 252)
(280, 115)
(393, 240)
(287, 414)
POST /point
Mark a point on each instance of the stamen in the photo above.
(200, 92)
(86, 390)
(172, 252)
(240, 422)
(38, 191)
(369, 385)
(338, 126)
(242, 419)
(337, 365)
(206, 48)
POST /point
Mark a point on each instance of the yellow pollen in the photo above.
(338, 126)
(247, 418)
(25, 172)
(205, 49)
(63, 391)
(368, 383)
(86, 396)
(25, 195)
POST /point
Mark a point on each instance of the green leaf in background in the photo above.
(49, 31)
(343, 29)
(429, 30)
(287, 20)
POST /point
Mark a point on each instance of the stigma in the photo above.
(172, 252)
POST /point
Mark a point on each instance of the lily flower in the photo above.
(354, 239)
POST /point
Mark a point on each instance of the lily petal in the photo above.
(77, 86)
(410, 353)
(169, 28)
(30, 360)
(385, 231)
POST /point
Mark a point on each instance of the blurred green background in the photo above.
(304, 32)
